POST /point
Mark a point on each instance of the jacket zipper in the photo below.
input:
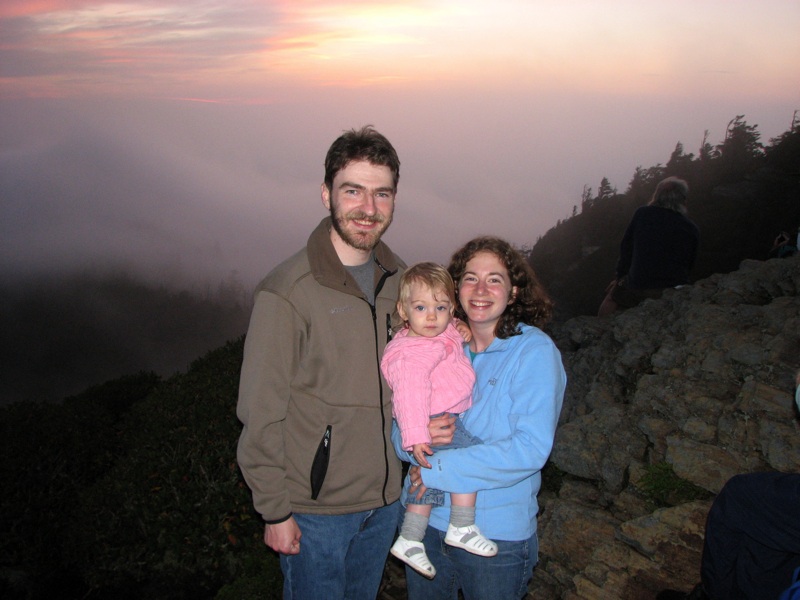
(378, 288)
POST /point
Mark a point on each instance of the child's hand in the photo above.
(463, 329)
(420, 451)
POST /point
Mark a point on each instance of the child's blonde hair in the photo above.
(434, 276)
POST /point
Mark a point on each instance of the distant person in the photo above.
(316, 445)
(658, 250)
(784, 246)
(429, 373)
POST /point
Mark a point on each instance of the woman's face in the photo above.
(485, 289)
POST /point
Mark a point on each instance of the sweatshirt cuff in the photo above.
(276, 521)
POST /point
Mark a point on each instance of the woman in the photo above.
(516, 403)
(658, 250)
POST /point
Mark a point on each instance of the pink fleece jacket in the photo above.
(428, 376)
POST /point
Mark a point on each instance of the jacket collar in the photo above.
(329, 271)
(501, 345)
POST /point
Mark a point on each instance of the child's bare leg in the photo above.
(425, 509)
(463, 499)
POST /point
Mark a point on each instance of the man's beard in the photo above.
(359, 240)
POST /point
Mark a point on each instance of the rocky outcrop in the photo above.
(700, 381)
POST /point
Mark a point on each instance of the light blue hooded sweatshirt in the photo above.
(516, 404)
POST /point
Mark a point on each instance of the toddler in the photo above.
(429, 373)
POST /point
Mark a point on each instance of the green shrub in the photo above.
(262, 581)
(173, 518)
(51, 452)
(664, 488)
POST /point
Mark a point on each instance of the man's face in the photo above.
(361, 202)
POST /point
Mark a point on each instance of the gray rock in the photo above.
(701, 379)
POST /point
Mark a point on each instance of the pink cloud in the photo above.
(26, 8)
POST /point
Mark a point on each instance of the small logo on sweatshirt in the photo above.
(492, 381)
(340, 309)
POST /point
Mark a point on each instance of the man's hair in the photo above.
(434, 276)
(361, 144)
(531, 304)
(671, 193)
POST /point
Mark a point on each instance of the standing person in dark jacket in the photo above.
(316, 446)
(658, 250)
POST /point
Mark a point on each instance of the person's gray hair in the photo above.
(671, 193)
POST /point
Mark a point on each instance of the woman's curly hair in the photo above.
(531, 305)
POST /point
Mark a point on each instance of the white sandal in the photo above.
(470, 539)
(413, 554)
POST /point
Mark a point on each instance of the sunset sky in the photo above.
(185, 139)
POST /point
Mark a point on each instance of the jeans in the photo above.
(501, 577)
(341, 556)
(461, 439)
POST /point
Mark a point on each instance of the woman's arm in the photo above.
(531, 404)
(441, 431)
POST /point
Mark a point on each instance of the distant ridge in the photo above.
(742, 195)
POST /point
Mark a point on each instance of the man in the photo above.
(316, 445)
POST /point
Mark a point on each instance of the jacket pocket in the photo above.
(320, 465)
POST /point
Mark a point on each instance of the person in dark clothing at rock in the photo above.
(752, 543)
(658, 250)
(752, 538)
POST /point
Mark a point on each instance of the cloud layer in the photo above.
(183, 137)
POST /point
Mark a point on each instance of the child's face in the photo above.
(426, 311)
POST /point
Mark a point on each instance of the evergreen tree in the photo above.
(741, 149)
(707, 152)
(783, 150)
(680, 164)
(605, 191)
(586, 198)
(643, 183)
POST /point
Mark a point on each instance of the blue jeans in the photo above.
(341, 556)
(461, 439)
(501, 577)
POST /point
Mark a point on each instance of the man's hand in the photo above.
(283, 537)
(441, 429)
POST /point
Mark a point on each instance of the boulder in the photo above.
(699, 382)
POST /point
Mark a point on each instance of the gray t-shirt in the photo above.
(365, 278)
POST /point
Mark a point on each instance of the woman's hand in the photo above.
(415, 474)
(463, 329)
(441, 429)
